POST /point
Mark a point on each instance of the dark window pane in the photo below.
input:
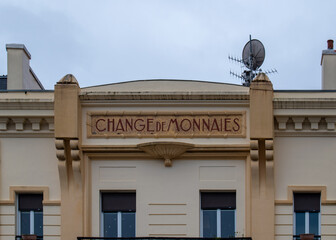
(128, 224)
(25, 223)
(210, 223)
(218, 200)
(30, 202)
(3, 82)
(307, 202)
(227, 223)
(115, 202)
(314, 223)
(110, 225)
(300, 223)
(38, 223)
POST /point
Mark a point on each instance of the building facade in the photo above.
(166, 158)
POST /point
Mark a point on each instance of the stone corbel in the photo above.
(75, 156)
(74, 149)
(330, 123)
(314, 122)
(269, 150)
(298, 122)
(282, 122)
(254, 150)
(60, 149)
(3, 123)
(19, 121)
(35, 123)
(255, 146)
(50, 122)
(68, 154)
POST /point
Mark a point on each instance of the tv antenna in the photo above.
(253, 56)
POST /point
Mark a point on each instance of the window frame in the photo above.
(307, 216)
(218, 222)
(218, 216)
(307, 219)
(119, 216)
(32, 221)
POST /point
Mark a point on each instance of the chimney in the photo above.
(20, 76)
(328, 62)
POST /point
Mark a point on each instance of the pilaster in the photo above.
(262, 166)
(67, 123)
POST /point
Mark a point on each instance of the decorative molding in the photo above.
(306, 189)
(13, 190)
(304, 125)
(165, 150)
(26, 125)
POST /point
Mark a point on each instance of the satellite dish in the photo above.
(253, 57)
(253, 54)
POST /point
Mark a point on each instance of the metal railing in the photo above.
(298, 237)
(22, 237)
(161, 238)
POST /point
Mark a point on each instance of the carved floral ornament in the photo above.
(165, 150)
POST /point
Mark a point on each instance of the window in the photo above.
(3, 82)
(307, 213)
(118, 214)
(218, 210)
(30, 214)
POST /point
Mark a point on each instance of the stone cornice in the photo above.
(26, 104)
(233, 151)
(304, 103)
(163, 96)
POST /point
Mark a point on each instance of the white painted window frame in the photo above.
(218, 221)
(307, 223)
(18, 218)
(119, 224)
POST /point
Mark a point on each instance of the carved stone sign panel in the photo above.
(166, 124)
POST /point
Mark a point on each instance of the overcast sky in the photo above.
(107, 41)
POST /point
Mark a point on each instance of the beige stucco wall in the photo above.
(29, 162)
(305, 161)
(168, 195)
(164, 190)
